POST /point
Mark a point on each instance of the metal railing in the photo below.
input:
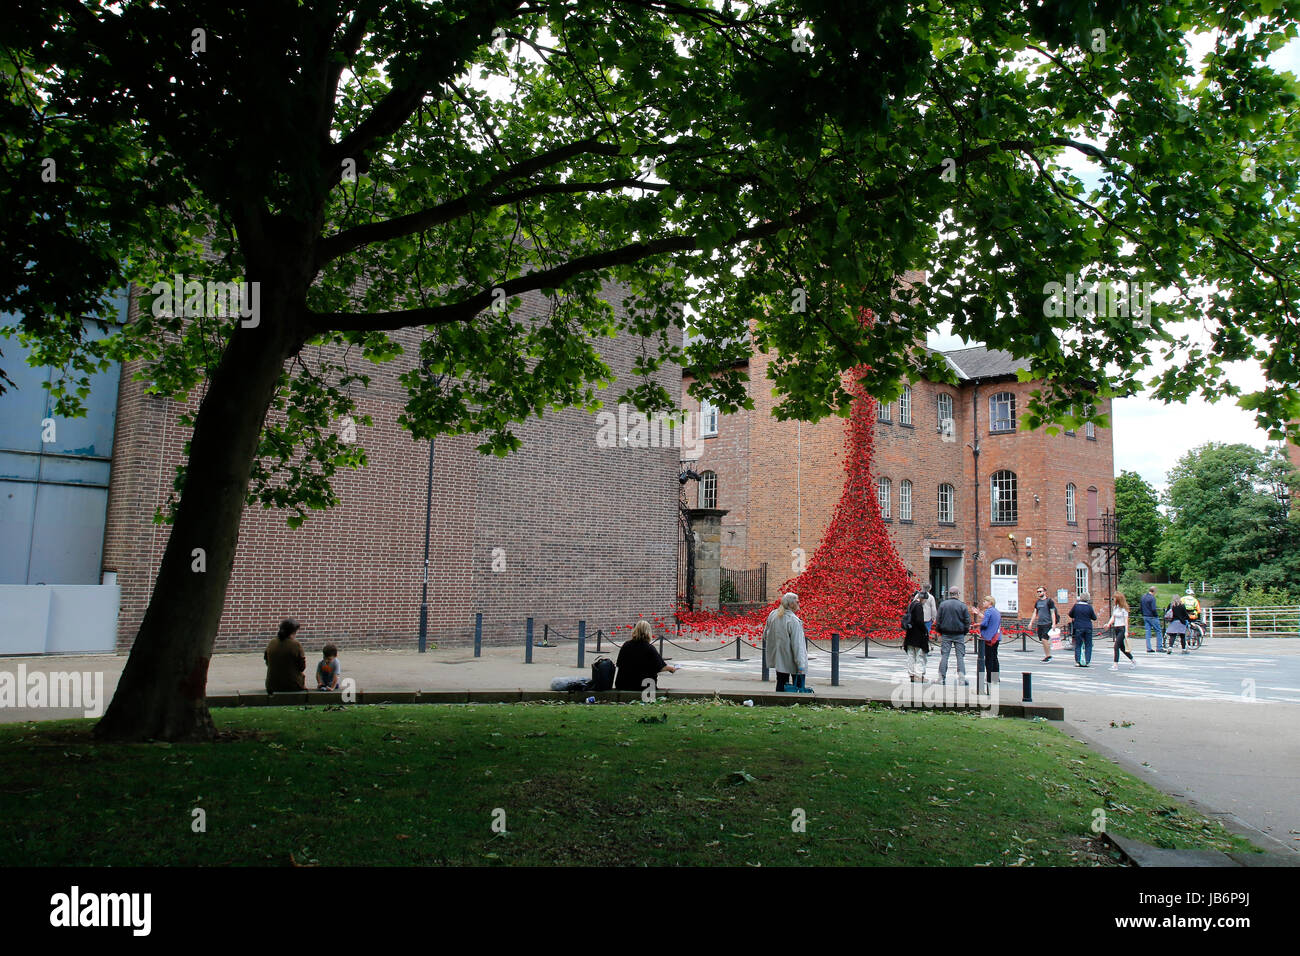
(1275, 621)
(744, 587)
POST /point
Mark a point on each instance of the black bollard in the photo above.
(598, 637)
(528, 642)
(1024, 635)
(546, 635)
(1027, 687)
(763, 654)
(737, 647)
(835, 659)
(582, 643)
(478, 634)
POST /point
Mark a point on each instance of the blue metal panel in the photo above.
(69, 539)
(17, 511)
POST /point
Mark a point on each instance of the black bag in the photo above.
(602, 674)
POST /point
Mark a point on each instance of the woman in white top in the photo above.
(1119, 620)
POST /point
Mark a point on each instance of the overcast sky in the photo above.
(1151, 436)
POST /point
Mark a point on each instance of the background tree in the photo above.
(1140, 522)
(1230, 523)
(380, 165)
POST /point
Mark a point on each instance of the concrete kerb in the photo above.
(513, 695)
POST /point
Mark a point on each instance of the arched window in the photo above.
(1002, 412)
(708, 489)
(905, 406)
(1002, 486)
(1071, 507)
(1080, 579)
(708, 419)
(947, 504)
(905, 501)
(883, 496)
(946, 428)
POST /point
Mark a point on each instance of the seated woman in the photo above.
(285, 660)
(638, 660)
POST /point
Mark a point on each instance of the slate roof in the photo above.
(979, 361)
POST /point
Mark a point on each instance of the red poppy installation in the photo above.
(855, 583)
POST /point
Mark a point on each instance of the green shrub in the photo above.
(1261, 597)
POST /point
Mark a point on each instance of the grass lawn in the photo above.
(669, 783)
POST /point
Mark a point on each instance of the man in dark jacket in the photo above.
(1151, 618)
(1082, 615)
(953, 624)
(916, 640)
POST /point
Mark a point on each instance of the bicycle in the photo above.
(1195, 634)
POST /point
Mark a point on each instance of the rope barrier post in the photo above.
(598, 636)
(478, 634)
(835, 658)
(661, 643)
(546, 635)
(582, 643)
(737, 647)
(979, 662)
(528, 642)
(1024, 635)
(763, 641)
(1027, 687)
(866, 644)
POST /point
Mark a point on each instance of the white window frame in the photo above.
(708, 489)
(1089, 428)
(1071, 504)
(905, 406)
(884, 411)
(884, 496)
(1002, 489)
(1012, 602)
(1080, 578)
(708, 419)
(951, 497)
(946, 426)
(905, 501)
(1005, 423)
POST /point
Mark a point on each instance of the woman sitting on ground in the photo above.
(638, 661)
(285, 659)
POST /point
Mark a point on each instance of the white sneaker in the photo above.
(1114, 667)
(1133, 663)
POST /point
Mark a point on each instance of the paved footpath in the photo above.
(1193, 728)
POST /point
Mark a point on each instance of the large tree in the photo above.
(383, 164)
(1137, 509)
(1230, 520)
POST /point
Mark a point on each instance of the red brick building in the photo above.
(569, 527)
(971, 500)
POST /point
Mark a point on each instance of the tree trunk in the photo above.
(162, 692)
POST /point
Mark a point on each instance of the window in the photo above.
(883, 496)
(946, 426)
(905, 406)
(1089, 428)
(708, 490)
(883, 412)
(1002, 412)
(947, 499)
(1003, 501)
(1080, 580)
(708, 419)
(1071, 508)
(905, 501)
(1005, 587)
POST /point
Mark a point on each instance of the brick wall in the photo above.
(586, 532)
(784, 494)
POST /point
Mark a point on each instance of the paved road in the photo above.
(1192, 728)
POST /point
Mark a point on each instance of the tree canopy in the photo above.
(1230, 518)
(378, 165)
(1140, 522)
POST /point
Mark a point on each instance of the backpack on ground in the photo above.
(602, 674)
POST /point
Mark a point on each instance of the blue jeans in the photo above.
(1083, 647)
(1153, 624)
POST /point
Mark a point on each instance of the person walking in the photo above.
(1119, 621)
(1045, 617)
(1082, 617)
(991, 634)
(953, 622)
(787, 652)
(1178, 619)
(916, 638)
(1151, 620)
